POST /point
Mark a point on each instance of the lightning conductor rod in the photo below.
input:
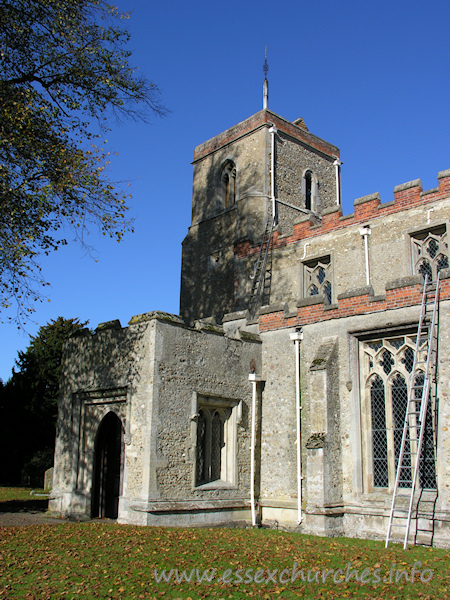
(266, 83)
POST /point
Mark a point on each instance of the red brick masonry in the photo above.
(406, 196)
(347, 307)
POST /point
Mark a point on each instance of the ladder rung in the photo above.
(426, 345)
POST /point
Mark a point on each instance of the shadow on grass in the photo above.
(24, 506)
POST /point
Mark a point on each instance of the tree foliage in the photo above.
(29, 404)
(65, 73)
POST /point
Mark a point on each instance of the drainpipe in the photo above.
(365, 232)
(254, 379)
(337, 163)
(273, 131)
(297, 337)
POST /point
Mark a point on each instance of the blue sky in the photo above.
(371, 77)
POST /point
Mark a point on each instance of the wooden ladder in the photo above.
(259, 270)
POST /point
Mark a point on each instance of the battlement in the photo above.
(406, 196)
(401, 293)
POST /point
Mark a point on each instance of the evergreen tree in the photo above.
(29, 405)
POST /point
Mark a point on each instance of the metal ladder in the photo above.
(415, 417)
(260, 267)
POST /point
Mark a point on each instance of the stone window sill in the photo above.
(215, 485)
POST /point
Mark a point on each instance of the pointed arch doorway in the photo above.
(108, 460)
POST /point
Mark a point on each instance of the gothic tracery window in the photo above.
(317, 278)
(430, 252)
(388, 365)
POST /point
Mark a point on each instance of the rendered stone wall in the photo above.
(337, 493)
(320, 413)
(443, 394)
(107, 371)
(208, 363)
(278, 433)
(148, 374)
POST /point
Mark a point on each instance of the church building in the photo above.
(305, 383)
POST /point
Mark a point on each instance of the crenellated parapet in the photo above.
(367, 208)
(401, 293)
(406, 196)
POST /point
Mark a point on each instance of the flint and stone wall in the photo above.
(148, 375)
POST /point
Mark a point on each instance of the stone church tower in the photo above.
(237, 176)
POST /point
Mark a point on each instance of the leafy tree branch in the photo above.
(64, 74)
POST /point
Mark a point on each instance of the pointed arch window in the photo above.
(228, 184)
(317, 278)
(430, 252)
(310, 190)
(388, 366)
(210, 444)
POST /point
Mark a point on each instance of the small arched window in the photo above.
(310, 189)
(228, 184)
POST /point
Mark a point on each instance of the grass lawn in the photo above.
(100, 560)
(8, 494)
